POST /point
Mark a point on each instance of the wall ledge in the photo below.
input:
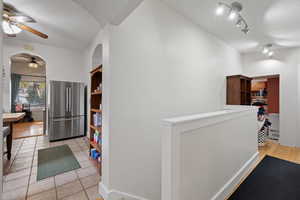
(228, 109)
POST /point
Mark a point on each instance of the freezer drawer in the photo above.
(64, 128)
(60, 128)
(78, 126)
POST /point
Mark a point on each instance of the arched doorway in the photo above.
(28, 94)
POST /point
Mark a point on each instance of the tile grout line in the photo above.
(13, 160)
(26, 195)
(84, 189)
(15, 157)
(55, 188)
(85, 192)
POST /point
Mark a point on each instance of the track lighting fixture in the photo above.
(267, 50)
(233, 12)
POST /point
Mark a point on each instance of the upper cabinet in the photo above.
(238, 90)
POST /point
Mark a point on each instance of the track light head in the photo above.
(233, 15)
(220, 9)
(271, 53)
(267, 50)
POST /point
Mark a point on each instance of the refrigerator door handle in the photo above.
(67, 99)
(70, 99)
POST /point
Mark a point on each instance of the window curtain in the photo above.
(15, 84)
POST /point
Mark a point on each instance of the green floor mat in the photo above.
(55, 160)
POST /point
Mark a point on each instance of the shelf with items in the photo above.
(96, 146)
(97, 92)
(96, 128)
(96, 110)
(96, 117)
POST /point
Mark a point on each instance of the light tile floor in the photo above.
(20, 173)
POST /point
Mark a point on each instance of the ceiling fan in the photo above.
(13, 22)
(33, 63)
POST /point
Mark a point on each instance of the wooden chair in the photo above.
(6, 132)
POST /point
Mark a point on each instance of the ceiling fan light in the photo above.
(220, 9)
(9, 28)
(33, 65)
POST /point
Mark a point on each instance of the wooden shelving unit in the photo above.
(238, 90)
(96, 101)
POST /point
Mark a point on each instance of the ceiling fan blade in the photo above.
(22, 18)
(10, 8)
(27, 28)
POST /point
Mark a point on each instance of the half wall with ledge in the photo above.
(205, 156)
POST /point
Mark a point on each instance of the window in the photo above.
(32, 92)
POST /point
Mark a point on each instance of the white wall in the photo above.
(61, 64)
(286, 63)
(161, 65)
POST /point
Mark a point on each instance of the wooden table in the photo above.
(8, 120)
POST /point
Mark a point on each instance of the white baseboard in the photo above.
(228, 188)
(116, 195)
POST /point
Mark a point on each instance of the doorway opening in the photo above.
(28, 94)
(265, 93)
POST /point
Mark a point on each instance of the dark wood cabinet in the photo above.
(238, 90)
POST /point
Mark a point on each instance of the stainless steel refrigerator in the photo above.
(66, 110)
